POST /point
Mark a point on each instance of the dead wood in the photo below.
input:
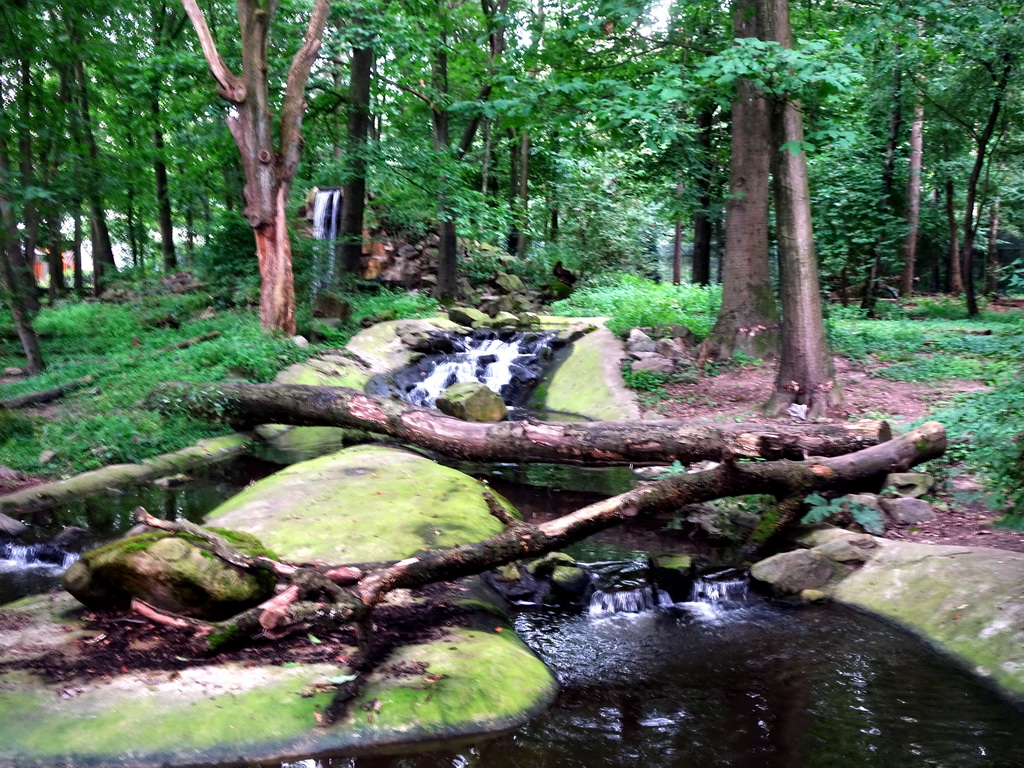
(607, 442)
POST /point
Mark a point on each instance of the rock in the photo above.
(543, 566)
(908, 511)
(11, 527)
(492, 305)
(47, 456)
(467, 316)
(789, 573)
(657, 364)
(527, 319)
(322, 328)
(383, 316)
(670, 349)
(503, 319)
(638, 341)
(653, 416)
(911, 485)
(8, 475)
(682, 335)
(508, 573)
(867, 499)
(171, 573)
(300, 341)
(172, 481)
(331, 306)
(570, 580)
(813, 595)
(508, 283)
(71, 538)
(815, 535)
(858, 548)
(14, 371)
(472, 401)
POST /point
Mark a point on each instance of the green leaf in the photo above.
(314, 639)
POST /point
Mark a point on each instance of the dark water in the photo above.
(30, 564)
(759, 686)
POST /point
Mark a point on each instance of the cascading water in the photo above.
(508, 362)
(710, 596)
(639, 600)
(15, 555)
(326, 219)
(714, 594)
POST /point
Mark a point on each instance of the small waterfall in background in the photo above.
(508, 362)
(714, 594)
(710, 595)
(14, 555)
(639, 600)
(326, 225)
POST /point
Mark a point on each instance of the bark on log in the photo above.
(607, 442)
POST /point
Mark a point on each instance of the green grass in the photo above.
(633, 301)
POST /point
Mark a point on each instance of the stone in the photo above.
(300, 341)
(47, 456)
(911, 485)
(682, 335)
(670, 349)
(467, 316)
(14, 371)
(813, 595)
(543, 566)
(638, 341)
(570, 580)
(503, 319)
(331, 306)
(657, 364)
(653, 416)
(508, 283)
(170, 572)
(789, 573)
(492, 305)
(908, 511)
(858, 548)
(172, 481)
(472, 401)
(11, 527)
(528, 319)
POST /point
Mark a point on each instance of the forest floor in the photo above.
(963, 513)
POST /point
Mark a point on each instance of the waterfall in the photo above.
(637, 600)
(713, 595)
(326, 220)
(18, 556)
(508, 363)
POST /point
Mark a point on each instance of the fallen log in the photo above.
(603, 442)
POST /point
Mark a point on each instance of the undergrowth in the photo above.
(634, 301)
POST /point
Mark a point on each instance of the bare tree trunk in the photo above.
(76, 249)
(992, 264)
(677, 241)
(956, 280)
(163, 194)
(354, 196)
(523, 194)
(748, 320)
(447, 265)
(913, 200)
(269, 153)
(55, 249)
(701, 262)
(609, 442)
(805, 375)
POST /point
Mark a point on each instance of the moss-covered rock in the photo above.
(472, 401)
(174, 572)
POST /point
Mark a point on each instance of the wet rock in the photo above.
(638, 341)
(790, 573)
(813, 595)
(331, 306)
(911, 485)
(467, 316)
(570, 581)
(908, 511)
(11, 527)
(170, 572)
(472, 401)
(542, 567)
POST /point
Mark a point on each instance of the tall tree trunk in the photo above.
(163, 194)
(270, 154)
(748, 320)
(354, 195)
(701, 262)
(954, 273)
(1001, 82)
(76, 250)
(992, 263)
(913, 200)
(513, 187)
(447, 265)
(677, 241)
(55, 247)
(805, 375)
(523, 194)
(888, 172)
(26, 257)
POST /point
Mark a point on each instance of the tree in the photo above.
(269, 153)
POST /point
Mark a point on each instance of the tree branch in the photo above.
(229, 85)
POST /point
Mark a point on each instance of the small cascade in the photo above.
(509, 363)
(638, 600)
(14, 555)
(326, 221)
(714, 594)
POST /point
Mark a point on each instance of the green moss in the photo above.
(588, 383)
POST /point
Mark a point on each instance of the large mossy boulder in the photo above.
(472, 401)
(173, 572)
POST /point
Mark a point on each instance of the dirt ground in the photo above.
(963, 516)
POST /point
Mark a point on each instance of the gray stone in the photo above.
(14, 371)
(493, 305)
(789, 573)
(653, 416)
(570, 580)
(528, 318)
(467, 316)
(638, 341)
(508, 283)
(505, 318)
(912, 485)
(331, 306)
(472, 401)
(908, 511)
(45, 457)
(669, 348)
(10, 526)
(658, 364)
(858, 548)
(300, 341)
